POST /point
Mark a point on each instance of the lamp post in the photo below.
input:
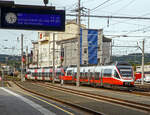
(53, 58)
(45, 2)
(22, 67)
(142, 49)
(78, 60)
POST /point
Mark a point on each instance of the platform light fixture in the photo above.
(45, 2)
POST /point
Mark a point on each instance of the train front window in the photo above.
(125, 71)
(116, 75)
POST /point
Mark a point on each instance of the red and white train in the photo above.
(118, 74)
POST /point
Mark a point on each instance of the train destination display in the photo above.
(33, 19)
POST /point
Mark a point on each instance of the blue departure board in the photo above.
(39, 19)
(33, 19)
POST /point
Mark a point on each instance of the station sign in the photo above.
(32, 18)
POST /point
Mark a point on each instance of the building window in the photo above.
(46, 34)
(85, 62)
(85, 50)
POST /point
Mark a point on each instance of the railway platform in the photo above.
(15, 101)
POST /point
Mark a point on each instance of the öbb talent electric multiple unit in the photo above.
(118, 74)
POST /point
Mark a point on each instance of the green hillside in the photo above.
(135, 58)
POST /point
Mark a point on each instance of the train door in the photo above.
(94, 79)
(50, 74)
(101, 78)
(43, 75)
(83, 76)
(73, 75)
(88, 76)
(36, 74)
(91, 76)
(97, 78)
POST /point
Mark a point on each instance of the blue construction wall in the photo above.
(92, 46)
(92, 38)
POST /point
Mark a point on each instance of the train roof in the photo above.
(122, 63)
(91, 68)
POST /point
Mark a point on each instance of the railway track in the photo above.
(136, 92)
(93, 112)
(140, 106)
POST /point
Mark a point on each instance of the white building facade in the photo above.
(45, 41)
(95, 48)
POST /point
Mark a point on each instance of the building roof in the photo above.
(66, 40)
(75, 39)
(35, 42)
(106, 39)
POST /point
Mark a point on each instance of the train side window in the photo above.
(86, 74)
(28, 72)
(116, 75)
(69, 72)
(35, 74)
(57, 73)
(91, 74)
(46, 74)
(40, 74)
(75, 75)
(97, 76)
(62, 73)
(43, 74)
(50, 74)
(107, 72)
(81, 74)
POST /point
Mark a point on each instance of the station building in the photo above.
(95, 49)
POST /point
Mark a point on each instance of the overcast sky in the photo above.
(127, 27)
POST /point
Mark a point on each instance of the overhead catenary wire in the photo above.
(99, 5)
(123, 7)
(131, 17)
(111, 4)
(117, 17)
(124, 22)
(145, 14)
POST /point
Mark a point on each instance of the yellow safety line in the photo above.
(48, 103)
